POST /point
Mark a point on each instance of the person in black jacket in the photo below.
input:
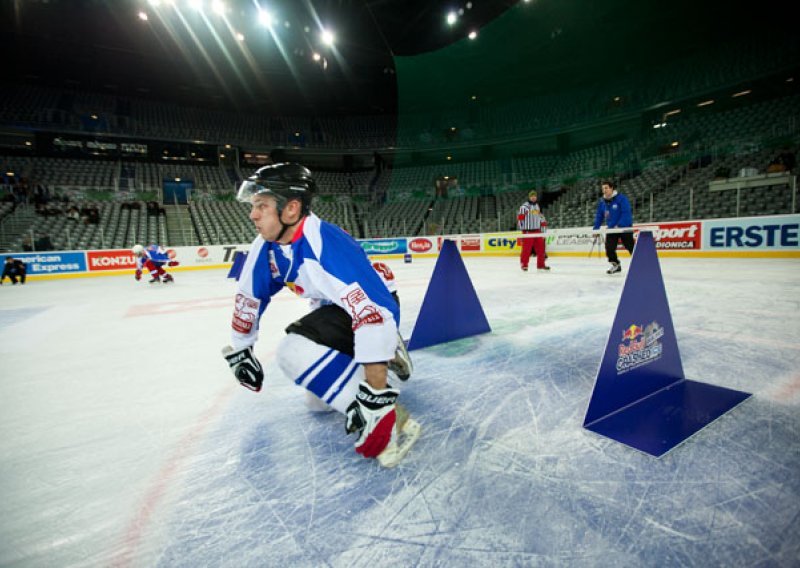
(13, 269)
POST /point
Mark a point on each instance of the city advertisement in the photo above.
(384, 246)
(501, 242)
(774, 233)
(53, 262)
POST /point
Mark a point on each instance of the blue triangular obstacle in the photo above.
(238, 262)
(451, 308)
(641, 397)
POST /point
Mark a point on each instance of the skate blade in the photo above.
(401, 365)
(396, 451)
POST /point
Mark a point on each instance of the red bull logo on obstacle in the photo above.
(639, 346)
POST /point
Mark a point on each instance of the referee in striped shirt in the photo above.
(531, 221)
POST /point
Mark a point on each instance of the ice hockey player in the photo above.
(153, 258)
(344, 350)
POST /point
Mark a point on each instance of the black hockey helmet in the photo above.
(286, 181)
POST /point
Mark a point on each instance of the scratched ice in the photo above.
(126, 442)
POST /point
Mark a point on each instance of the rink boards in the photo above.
(775, 236)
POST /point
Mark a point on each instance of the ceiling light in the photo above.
(265, 18)
(143, 16)
(327, 37)
(473, 34)
(451, 18)
(218, 7)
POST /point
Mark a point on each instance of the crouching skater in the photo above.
(347, 348)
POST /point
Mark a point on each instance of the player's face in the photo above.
(264, 214)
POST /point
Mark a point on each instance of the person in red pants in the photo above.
(531, 222)
(153, 259)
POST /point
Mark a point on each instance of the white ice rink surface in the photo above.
(125, 441)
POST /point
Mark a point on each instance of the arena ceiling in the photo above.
(184, 55)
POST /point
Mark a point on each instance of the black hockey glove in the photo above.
(245, 367)
(372, 414)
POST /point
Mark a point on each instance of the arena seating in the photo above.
(664, 180)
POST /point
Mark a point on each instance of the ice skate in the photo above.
(155, 280)
(168, 279)
(401, 365)
(407, 432)
(615, 268)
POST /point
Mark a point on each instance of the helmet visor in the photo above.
(248, 189)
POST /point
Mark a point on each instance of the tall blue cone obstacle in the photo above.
(451, 309)
(641, 397)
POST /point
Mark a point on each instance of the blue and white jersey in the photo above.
(326, 265)
(154, 252)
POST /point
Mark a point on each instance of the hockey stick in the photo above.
(594, 242)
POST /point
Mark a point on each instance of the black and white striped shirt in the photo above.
(529, 217)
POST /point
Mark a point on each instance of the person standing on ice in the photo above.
(153, 258)
(614, 210)
(531, 222)
(344, 350)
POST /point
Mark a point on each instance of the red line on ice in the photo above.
(137, 527)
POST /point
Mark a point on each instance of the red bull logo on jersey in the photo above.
(245, 313)
(362, 310)
(639, 346)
